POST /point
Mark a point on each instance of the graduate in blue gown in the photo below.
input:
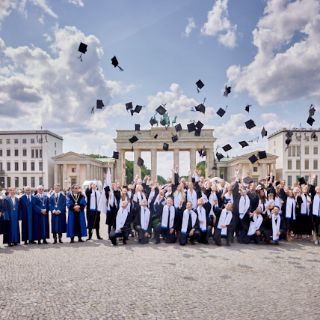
(76, 203)
(57, 206)
(12, 215)
(43, 218)
(30, 211)
(1, 216)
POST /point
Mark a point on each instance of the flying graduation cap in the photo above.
(202, 152)
(115, 155)
(82, 49)
(250, 124)
(288, 140)
(221, 112)
(137, 109)
(174, 138)
(137, 127)
(153, 121)
(191, 127)
(310, 121)
(199, 126)
(247, 108)
(140, 162)
(178, 127)
(262, 154)
(133, 139)
(227, 91)
(313, 136)
(264, 132)
(312, 110)
(201, 108)
(99, 105)
(115, 63)
(165, 147)
(219, 156)
(244, 144)
(161, 110)
(129, 106)
(253, 159)
(227, 147)
(199, 85)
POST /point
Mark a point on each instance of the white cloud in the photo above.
(284, 68)
(6, 6)
(189, 27)
(78, 3)
(218, 24)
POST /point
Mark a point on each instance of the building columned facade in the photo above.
(74, 168)
(26, 157)
(298, 159)
(259, 170)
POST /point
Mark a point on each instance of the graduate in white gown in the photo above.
(190, 225)
(254, 232)
(224, 227)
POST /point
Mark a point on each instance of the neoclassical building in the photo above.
(71, 168)
(152, 140)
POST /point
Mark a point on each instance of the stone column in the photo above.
(175, 158)
(56, 168)
(88, 175)
(153, 164)
(78, 173)
(136, 168)
(119, 167)
(263, 171)
(192, 160)
(64, 176)
(209, 162)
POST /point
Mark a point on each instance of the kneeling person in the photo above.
(142, 223)
(224, 227)
(190, 224)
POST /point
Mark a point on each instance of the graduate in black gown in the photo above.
(224, 226)
(190, 226)
(203, 211)
(142, 222)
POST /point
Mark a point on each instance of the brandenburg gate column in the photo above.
(175, 158)
(193, 160)
(119, 166)
(209, 162)
(153, 164)
(136, 168)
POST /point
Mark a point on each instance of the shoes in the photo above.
(45, 241)
(60, 241)
(99, 238)
(80, 240)
(72, 241)
(26, 243)
(55, 241)
(39, 242)
(32, 242)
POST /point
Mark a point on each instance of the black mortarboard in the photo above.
(313, 135)
(247, 108)
(202, 152)
(178, 127)
(133, 139)
(129, 106)
(174, 138)
(140, 162)
(199, 125)
(155, 136)
(161, 110)
(201, 108)
(264, 132)
(227, 90)
(247, 180)
(289, 134)
(137, 127)
(288, 141)
(253, 159)
(191, 127)
(302, 181)
(310, 121)
(219, 156)
(312, 111)
(82, 47)
(100, 104)
(250, 124)
(221, 112)
(137, 109)
(165, 147)
(115, 155)
(153, 121)
(199, 85)
(197, 132)
(243, 144)
(115, 63)
(262, 154)
(227, 147)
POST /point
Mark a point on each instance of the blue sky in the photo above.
(267, 50)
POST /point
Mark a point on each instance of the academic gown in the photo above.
(58, 221)
(1, 218)
(93, 217)
(30, 212)
(76, 226)
(138, 224)
(203, 231)
(189, 221)
(43, 218)
(12, 215)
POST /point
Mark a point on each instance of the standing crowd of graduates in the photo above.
(187, 211)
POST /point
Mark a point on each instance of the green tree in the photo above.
(201, 166)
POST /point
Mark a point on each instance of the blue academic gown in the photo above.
(73, 216)
(58, 221)
(1, 218)
(12, 215)
(30, 212)
(43, 219)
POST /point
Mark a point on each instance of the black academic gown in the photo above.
(93, 216)
(138, 228)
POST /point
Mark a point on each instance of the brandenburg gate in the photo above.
(152, 141)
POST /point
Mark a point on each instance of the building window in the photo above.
(24, 166)
(32, 166)
(25, 181)
(306, 137)
(73, 170)
(255, 169)
(0, 152)
(315, 150)
(73, 180)
(16, 182)
(32, 153)
(40, 166)
(55, 144)
(32, 140)
(16, 166)
(306, 149)
(315, 164)
(33, 182)
(16, 141)
(37, 153)
(8, 166)
(289, 164)
(8, 152)
(289, 181)
(8, 141)
(289, 152)
(298, 164)
(24, 152)
(41, 181)
(40, 153)
(1, 166)
(298, 151)
(293, 152)
(24, 141)
(16, 153)
(8, 182)
(306, 164)
(0, 141)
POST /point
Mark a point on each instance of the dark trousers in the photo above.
(114, 235)
(217, 235)
(141, 235)
(55, 235)
(255, 238)
(185, 237)
(203, 236)
(167, 236)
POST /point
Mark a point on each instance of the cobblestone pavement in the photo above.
(94, 280)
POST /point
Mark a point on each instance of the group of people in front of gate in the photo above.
(188, 211)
